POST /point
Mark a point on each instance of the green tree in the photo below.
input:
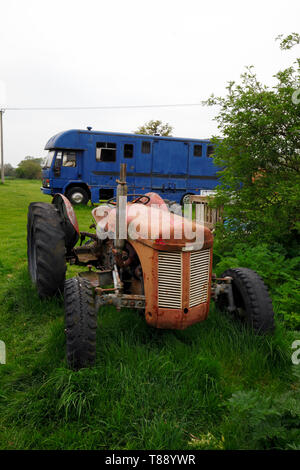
(155, 127)
(259, 151)
(29, 168)
(9, 170)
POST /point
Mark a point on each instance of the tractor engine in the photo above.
(173, 272)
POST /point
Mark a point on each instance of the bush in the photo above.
(259, 422)
(280, 273)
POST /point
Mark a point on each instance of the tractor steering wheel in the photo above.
(135, 201)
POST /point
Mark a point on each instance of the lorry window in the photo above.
(128, 150)
(106, 152)
(197, 150)
(146, 147)
(48, 159)
(210, 150)
(69, 159)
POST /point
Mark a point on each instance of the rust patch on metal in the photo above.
(149, 261)
(179, 320)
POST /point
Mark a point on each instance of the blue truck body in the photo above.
(90, 160)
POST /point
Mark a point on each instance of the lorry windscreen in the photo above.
(48, 159)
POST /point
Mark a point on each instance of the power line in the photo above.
(78, 108)
(74, 108)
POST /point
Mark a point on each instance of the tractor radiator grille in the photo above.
(199, 269)
(169, 279)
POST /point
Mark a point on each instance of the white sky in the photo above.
(130, 52)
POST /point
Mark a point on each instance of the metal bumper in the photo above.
(46, 190)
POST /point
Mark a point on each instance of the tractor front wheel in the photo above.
(253, 305)
(81, 323)
(46, 249)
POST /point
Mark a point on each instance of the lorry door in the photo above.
(67, 167)
(198, 161)
(170, 165)
(202, 171)
(128, 156)
(143, 165)
(106, 166)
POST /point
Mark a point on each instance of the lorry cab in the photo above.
(83, 165)
(63, 168)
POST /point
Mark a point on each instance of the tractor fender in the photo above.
(68, 215)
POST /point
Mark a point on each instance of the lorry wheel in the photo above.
(46, 249)
(251, 298)
(81, 323)
(185, 198)
(77, 196)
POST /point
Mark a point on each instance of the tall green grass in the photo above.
(150, 389)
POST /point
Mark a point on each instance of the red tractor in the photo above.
(142, 256)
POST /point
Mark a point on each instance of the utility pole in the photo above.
(1, 145)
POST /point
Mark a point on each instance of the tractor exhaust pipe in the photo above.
(121, 226)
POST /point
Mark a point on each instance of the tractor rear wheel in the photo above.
(46, 249)
(251, 298)
(81, 323)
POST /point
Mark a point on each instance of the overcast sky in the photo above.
(130, 52)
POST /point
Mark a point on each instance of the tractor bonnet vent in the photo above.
(169, 279)
(199, 277)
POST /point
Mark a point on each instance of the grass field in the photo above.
(212, 386)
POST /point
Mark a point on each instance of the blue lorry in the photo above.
(84, 164)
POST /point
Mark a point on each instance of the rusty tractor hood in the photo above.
(153, 225)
